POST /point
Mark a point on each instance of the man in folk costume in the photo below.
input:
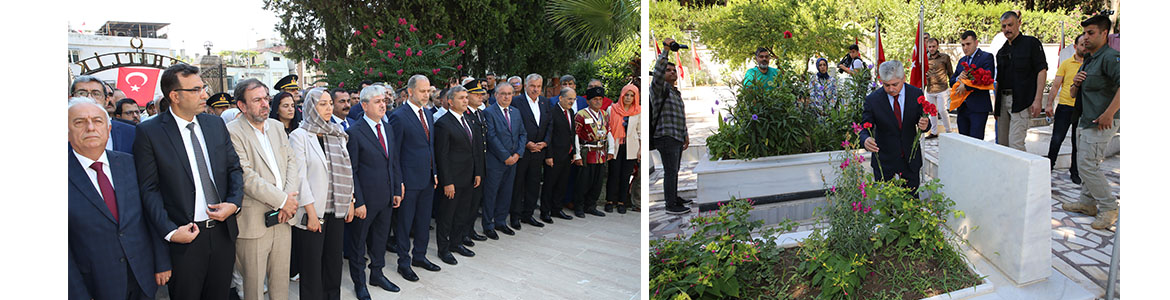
(592, 133)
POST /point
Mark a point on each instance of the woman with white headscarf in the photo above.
(325, 199)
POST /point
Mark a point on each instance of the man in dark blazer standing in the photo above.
(192, 186)
(537, 117)
(459, 175)
(414, 139)
(559, 155)
(896, 115)
(505, 145)
(377, 191)
(973, 112)
(113, 253)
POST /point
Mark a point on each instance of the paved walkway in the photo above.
(590, 258)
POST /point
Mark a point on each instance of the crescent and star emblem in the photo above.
(135, 87)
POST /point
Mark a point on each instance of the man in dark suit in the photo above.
(895, 114)
(121, 133)
(192, 186)
(505, 145)
(537, 117)
(341, 104)
(414, 139)
(559, 155)
(459, 175)
(973, 111)
(475, 97)
(113, 253)
(377, 190)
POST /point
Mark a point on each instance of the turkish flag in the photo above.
(918, 65)
(881, 52)
(138, 84)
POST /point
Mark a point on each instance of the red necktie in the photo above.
(423, 119)
(107, 189)
(898, 111)
(507, 119)
(381, 139)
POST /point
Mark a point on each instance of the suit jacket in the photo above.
(376, 177)
(894, 143)
(261, 194)
(416, 148)
(537, 130)
(122, 135)
(314, 174)
(455, 150)
(99, 247)
(164, 174)
(562, 142)
(501, 141)
(979, 101)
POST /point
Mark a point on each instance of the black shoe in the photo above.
(677, 210)
(608, 207)
(595, 212)
(514, 222)
(476, 236)
(1075, 178)
(361, 291)
(235, 294)
(579, 213)
(560, 214)
(464, 251)
(406, 273)
(380, 280)
(545, 218)
(425, 264)
(507, 230)
(491, 234)
(621, 209)
(684, 201)
(448, 258)
(467, 242)
(531, 221)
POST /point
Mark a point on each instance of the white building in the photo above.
(266, 63)
(115, 36)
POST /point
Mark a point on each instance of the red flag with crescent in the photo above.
(138, 84)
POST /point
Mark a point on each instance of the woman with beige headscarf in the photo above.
(325, 199)
(623, 151)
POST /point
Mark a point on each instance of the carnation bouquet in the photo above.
(976, 78)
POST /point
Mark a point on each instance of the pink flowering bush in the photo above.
(409, 54)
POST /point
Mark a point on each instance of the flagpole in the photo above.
(922, 43)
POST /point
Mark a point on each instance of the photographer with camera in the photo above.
(668, 124)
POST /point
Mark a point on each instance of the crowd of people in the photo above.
(1019, 70)
(233, 194)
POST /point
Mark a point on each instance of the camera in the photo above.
(674, 46)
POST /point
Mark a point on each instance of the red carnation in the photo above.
(459, 67)
(341, 84)
(316, 60)
(921, 99)
(787, 34)
(867, 125)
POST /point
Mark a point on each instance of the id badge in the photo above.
(589, 121)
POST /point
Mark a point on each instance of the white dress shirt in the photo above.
(266, 148)
(374, 129)
(414, 110)
(185, 135)
(442, 111)
(341, 121)
(93, 178)
(534, 105)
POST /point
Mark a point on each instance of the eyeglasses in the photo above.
(204, 88)
(95, 94)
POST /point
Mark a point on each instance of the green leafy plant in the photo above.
(706, 264)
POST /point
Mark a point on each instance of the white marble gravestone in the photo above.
(1006, 196)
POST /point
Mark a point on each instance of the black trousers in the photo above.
(617, 188)
(588, 187)
(556, 179)
(375, 228)
(671, 151)
(1066, 116)
(319, 255)
(972, 124)
(526, 189)
(454, 218)
(203, 268)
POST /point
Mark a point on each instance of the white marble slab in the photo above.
(722, 179)
(1006, 196)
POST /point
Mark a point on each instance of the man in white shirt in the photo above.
(270, 186)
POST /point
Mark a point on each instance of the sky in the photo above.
(229, 25)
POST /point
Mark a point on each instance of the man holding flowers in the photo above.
(896, 124)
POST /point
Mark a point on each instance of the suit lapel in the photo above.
(79, 179)
(251, 138)
(364, 128)
(171, 128)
